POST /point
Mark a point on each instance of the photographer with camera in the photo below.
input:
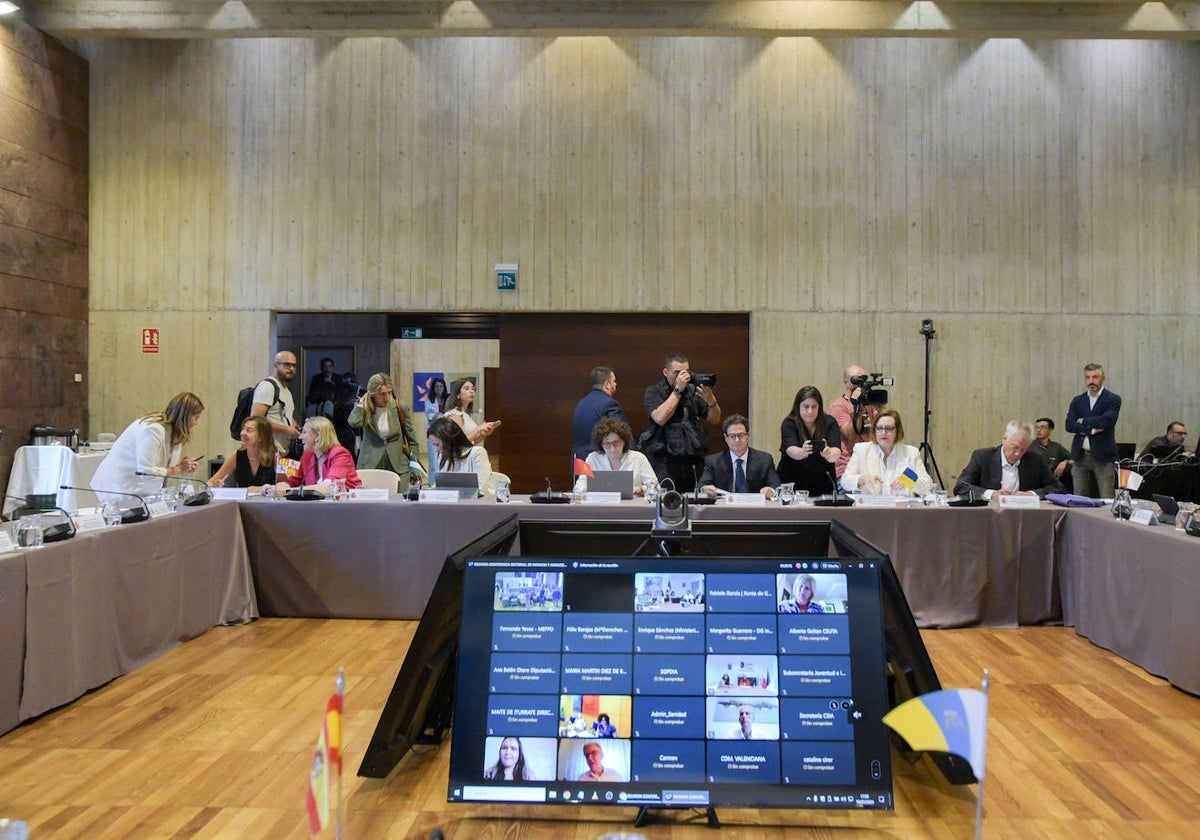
(678, 406)
(855, 410)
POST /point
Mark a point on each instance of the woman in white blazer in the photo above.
(877, 466)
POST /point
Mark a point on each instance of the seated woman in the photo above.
(613, 441)
(456, 454)
(387, 434)
(810, 443)
(324, 460)
(253, 465)
(876, 466)
(153, 445)
(510, 763)
(459, 406)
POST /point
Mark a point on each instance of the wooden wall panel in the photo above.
(43, 236)
(1039, 200)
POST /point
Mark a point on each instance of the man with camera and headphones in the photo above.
(854, 411)
(678, 406)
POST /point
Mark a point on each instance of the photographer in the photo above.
(854, 412)
(678, 407)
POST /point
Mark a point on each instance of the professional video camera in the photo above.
(870, 389)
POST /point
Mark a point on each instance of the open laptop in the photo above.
(1170, 508)
(467, 484)
(612, 481)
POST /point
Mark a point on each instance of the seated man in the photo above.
(1008, 468)
(740, 469)
(1166, 447)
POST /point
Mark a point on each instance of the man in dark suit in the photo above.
(739, 469)
(599, 402)
(1092, 418)
(1007, 469)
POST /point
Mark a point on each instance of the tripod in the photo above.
(926, 448)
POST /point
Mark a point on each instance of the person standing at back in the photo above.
(598, 402)
(276, 403)
(1092, 419)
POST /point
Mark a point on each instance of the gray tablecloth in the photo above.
(1134, 590)
(12, 637)
(105, 603)
(380, 559)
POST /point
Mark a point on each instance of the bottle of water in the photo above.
(13, 830)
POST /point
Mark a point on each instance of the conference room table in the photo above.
(376, 559)
(78, 613)
(1135, 589)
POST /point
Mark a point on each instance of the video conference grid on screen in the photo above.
(684, 682)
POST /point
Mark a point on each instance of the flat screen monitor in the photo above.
(420, 705)
(631, 538)
(672, 682)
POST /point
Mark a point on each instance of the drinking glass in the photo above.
(171, 499)
(111, 511)
(338, 486)
(503, 492)
(802, 499)
(651, 491)
(1186, 509)
(787, 493)
(943, 497)
(29, 531)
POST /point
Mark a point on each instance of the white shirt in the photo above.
(282, 412)
(468, 422)
(868, 459)
(636, 462)
(476, 462)
(142, 447)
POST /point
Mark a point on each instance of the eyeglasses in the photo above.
(286, 364)
(612, 444)
(885, 428)
(737, 436)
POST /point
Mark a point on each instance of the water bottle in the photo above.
(13, 830)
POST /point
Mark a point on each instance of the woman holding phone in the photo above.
(810, 444)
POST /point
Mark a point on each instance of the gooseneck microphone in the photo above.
(549, 497)
(835, 499)
(128, 515)
(203, 497)
(51, 533)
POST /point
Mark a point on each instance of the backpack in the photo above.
(245, 403)
(324, 408)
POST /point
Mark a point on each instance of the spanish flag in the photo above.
(1130, 480)
(582, 468)
(327, 760)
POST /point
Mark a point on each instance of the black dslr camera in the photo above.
(708, 380)
(871, 389)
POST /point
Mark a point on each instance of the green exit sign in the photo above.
(506, 277)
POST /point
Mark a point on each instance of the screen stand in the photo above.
(643, 815)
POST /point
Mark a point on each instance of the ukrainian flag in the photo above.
(953, 721)
(908, 478)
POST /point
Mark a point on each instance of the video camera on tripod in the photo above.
(870, 393)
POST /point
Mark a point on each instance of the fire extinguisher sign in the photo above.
(149, 340)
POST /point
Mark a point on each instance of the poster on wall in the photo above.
(429, 393)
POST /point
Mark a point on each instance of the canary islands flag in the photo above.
(953, 721)
(908, 478)
(582, 468)
(1130, 480)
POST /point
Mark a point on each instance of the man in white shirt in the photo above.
(273, 399)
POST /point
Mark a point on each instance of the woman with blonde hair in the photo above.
(253, 465)
(324, 459)
(387, 434)
(151, 445)
(879, 465)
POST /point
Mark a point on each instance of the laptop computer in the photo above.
(467, 484)
(612, 481)
(1170, 508)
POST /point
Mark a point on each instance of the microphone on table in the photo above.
(52, 533)
(697, 499)
(549, 497)
(834, 500)
(128, 515)
(203, 497)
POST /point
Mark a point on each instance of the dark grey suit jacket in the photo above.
(983, 473)
(760, 471)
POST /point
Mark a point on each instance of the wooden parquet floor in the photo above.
(215, 740)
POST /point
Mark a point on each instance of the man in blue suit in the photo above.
(598, 403)
(739, 469)
(1092, 418)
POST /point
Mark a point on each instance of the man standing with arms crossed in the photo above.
(1092, 419)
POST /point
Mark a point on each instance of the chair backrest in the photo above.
(380, 480)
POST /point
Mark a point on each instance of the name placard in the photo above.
(746, 499)
(1020, 500)
(876, 500)
(1143, 516)
(235, 494)
(370, 494)
(441, 497)
(158, 509)
(598, 497)
(89, 521)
